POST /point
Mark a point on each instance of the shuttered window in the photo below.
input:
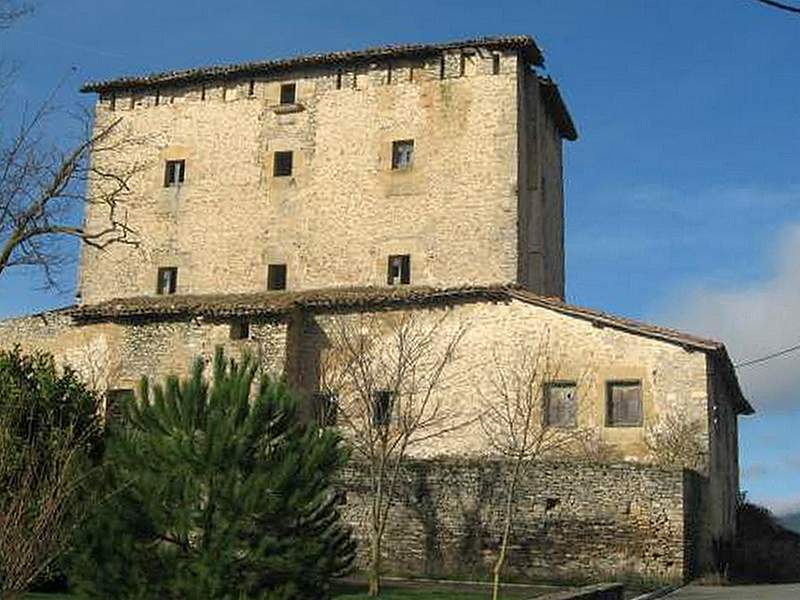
(325, 408)
(561, 404)
(382, 403)
(624, 404)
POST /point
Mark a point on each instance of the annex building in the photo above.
(275, 198)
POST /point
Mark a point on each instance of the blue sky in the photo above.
(683, 191)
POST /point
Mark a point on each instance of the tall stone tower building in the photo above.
(276, 202)
(433, 165)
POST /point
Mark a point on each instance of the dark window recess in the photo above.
(402, 154)
(561, 405)
(325, 408)
(389, 73)
(251, 88)
(399, 269)
(158, 97)
(382, 404)
(624, 404)
(174, 173)
(276, 277)
(203, 92)
(113, 101)
(116, 403)
(240, 330)
(495, 64)
(288, 91)
(282, 164)
(339, 76)
(441, 67)
(462, 66)
(167, 280)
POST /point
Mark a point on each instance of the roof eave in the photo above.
(524, 43)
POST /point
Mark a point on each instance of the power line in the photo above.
(762, 359)
(781, 5)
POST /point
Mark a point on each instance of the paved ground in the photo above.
(738, 592)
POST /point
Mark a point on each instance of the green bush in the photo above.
(216, 492)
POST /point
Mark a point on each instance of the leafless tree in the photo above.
(389, 374)
(676, 440)
(521, 427)
(44, 186)
(40, 504)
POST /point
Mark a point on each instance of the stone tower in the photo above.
(432, 165)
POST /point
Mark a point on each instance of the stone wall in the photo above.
(574, 521)
(115, 355)
(343, 210)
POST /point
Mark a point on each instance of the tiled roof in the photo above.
(525, 43)
(558, 108)
(278, 304)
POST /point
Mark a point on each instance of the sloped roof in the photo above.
(524, 43)
(558, 108)
(279, 304)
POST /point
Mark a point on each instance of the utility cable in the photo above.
(762, 359)
(781, 5)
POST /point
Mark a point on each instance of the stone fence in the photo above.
(575, 521)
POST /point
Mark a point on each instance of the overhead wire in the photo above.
(781, 5)
(767, 357)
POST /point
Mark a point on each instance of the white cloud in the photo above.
(753, 320)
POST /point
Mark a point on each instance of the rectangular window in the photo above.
(116, 402)
(382, 404)
(251, 88)
(624, 404)
(288, 91)
(495, 64)
(174, 173)
(402, 154)
(240, 330)
(167, 280)
(282, 164)
(399, 269)
(560, 404)
(276, 277)
(339, 75)
(325, 408)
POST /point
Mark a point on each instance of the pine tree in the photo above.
(217, 492)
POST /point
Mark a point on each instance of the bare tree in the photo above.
(44, 187)
(676, 440)
(41, 503)
(529, 414)
(389, 374)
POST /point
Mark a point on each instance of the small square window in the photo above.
(402, 154)
(117, 401)
(624, 404)
(282, 165)
(561, 404)
(174, 173)
(167, 280)
(240, 330)
(382, 404)
(288, 91)
(325, 408)
(399, 269)
(276, 277)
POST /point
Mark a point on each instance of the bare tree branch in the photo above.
(389, 373)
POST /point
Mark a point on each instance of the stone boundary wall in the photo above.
(575, 521)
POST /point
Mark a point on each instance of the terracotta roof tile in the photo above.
(525, 43)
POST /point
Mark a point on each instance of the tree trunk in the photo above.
(501, 559)
(374, 577)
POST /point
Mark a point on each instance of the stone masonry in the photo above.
(476, 213)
